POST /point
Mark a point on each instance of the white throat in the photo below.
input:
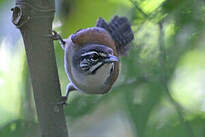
(93, 82)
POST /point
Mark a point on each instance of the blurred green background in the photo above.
(161, 88)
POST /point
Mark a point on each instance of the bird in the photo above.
(91, 55)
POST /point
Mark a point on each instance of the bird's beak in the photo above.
(111, 59)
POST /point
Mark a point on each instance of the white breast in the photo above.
(92, 83)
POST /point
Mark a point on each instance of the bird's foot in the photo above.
(56, 36)
(63, 101)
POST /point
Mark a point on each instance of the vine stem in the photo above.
(163, 61)
(138, 8)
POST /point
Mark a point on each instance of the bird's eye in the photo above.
(94, 57)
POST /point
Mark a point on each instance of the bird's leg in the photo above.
(56, 36)
(69, 88)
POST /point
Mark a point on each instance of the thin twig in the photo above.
(163, 61)
(138, 8)
(148, 17)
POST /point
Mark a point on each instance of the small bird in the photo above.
(91, 56)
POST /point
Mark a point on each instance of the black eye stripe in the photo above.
(91, 57)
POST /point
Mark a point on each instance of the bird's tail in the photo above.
(120, 30)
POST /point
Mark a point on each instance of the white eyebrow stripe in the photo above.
(103, 54)
(89, 53)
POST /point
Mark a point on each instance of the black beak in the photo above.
(111, 59)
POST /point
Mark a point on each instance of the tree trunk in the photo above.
(34, 19)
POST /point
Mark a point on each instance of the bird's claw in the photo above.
(63, 101)
(56, 36)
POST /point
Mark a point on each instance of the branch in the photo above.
(34, 19)
(163, 61)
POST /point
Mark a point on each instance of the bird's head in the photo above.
(92, 57)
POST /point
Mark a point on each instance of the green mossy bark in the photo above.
(34, 19)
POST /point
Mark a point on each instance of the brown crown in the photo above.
(93, 35)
